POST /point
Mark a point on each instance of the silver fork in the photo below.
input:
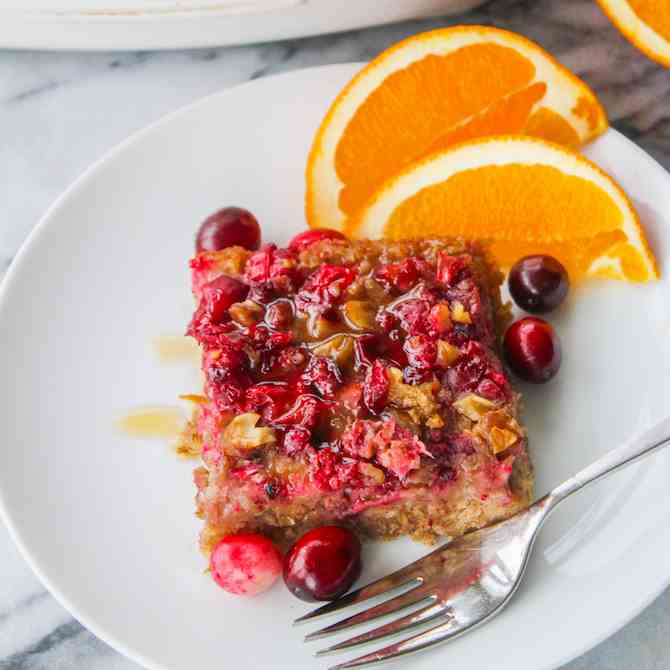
(469, 580)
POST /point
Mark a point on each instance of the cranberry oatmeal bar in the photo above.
(357, 382)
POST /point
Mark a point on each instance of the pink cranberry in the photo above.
(451, 268)
(303, 240)
(229, 227)
(532, 349)
(279, 314)
(323, 564)
(403, 275)
(376, 387)
(323, 374)
(421, 352)
(296, 440)
(220, 294)
(245, 564)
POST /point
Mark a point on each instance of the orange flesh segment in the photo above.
(570, 219)
(655, 13)
(508, 115)
(548, 125)
(385, 133)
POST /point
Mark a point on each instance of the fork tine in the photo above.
(410, 620)
(395, 580)
(439, 633)
(404, 600)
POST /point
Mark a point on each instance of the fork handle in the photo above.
(647, 443)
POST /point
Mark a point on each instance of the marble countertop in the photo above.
(61, 111)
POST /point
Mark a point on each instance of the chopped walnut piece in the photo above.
(359, 314)
(246, 313)
(419, 401)
(232, 263)
(189, 444)
(446, 354)
(502, 439)
(318, 327)
(500, 429)
(242, 433)
(370, 471)
(338, 347)
(459, 313)
(473, 406)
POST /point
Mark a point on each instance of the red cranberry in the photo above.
(421, 351)
(303, 240)
(229, 227)
(220, 294)
(538, 284)
(532, 350)
(279, 314)
(245, 564)
(323, 564)
(376, 387)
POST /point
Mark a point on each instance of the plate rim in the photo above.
(20, 259)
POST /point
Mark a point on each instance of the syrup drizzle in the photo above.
(153, 422)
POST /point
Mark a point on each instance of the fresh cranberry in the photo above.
(415, 376)
(532, 349)
(268, 398)
(376, 387)
(323, 564)
(219, 294)
(401, 276)
(386, 321)
(304, 412)
(296, 440)
(230, 226)
(538, 284)
(279, 314)
(413, 314)
(323, 288)
(245, 564)
(450, 269)
(323, 374)
(421, 352)
(303, 240)
(269, 264)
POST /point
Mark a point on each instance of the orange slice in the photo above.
(430, 92)
(525, 196)
(645, 23)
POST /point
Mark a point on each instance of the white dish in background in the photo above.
(107, 523)
(178, 24)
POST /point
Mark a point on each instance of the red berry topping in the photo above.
(229, 227)
(450, 269)
(532, 350)
(376, 387)
(323, 564)
(538, 284)
(303, 240)
(245, 564)
(220, 294)
(403, 275)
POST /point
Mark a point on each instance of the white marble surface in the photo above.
(60, 112)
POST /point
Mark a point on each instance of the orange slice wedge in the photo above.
(645, 23)
(525, 196)
(430, 92)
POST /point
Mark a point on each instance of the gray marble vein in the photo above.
(61, 111)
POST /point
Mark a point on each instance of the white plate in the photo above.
(107, 523)
(173, 24)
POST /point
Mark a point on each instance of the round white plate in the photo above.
(107, 523)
